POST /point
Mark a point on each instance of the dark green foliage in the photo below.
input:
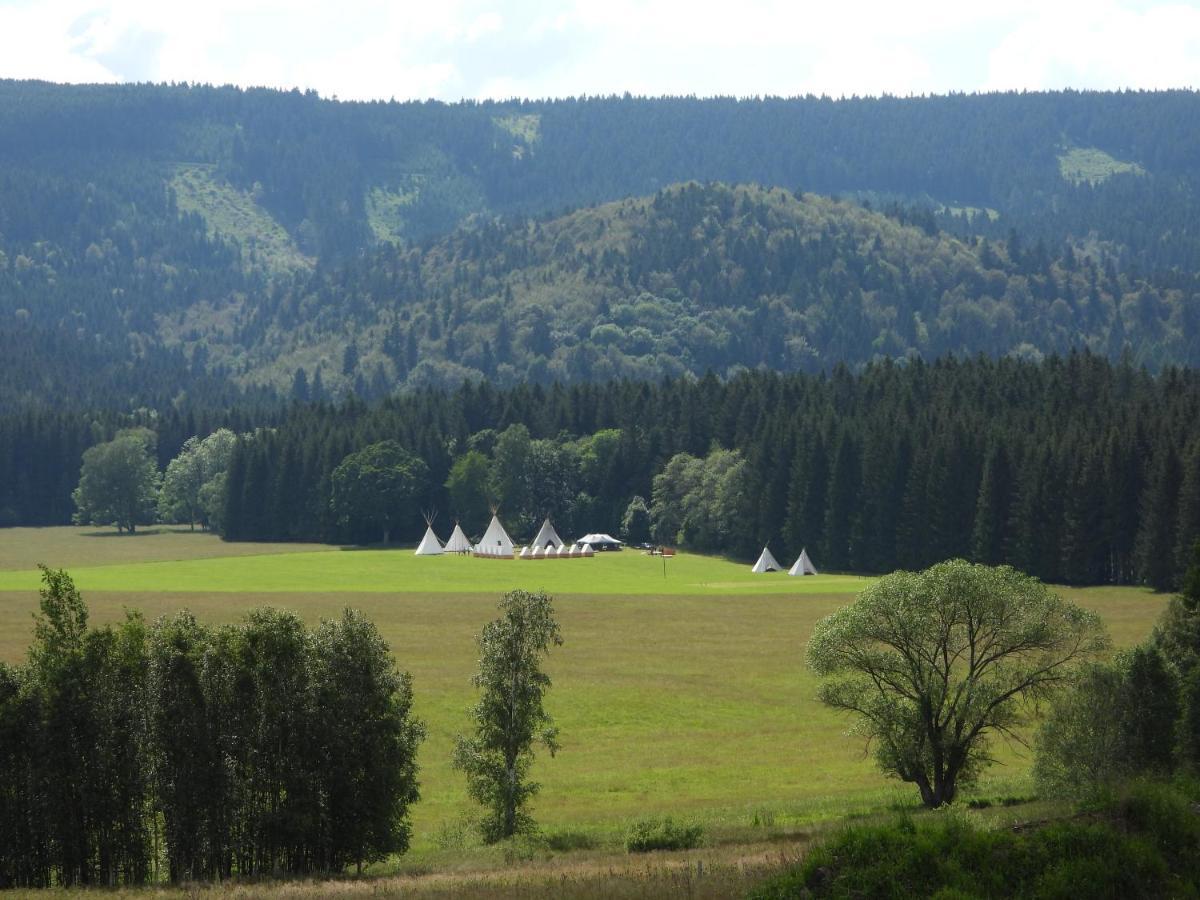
(467, 490)
(254, 749)
(1117, 720)
(509, 717)
(1145, 844)
(374, 488)
(662, 834)
(1189, 722)
(118, 482)
(1152, 710)
(569, 841)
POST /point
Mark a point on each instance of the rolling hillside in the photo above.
(168, 242)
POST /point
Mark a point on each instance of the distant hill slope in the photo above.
(170, 239)
(700, 277)
(339, 175)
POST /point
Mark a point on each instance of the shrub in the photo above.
(1144, 843)
(566, 841)
(662, 834)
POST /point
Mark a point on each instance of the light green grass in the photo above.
(626, 572)
(1079, 164)
(525, 127)
(75, 547)
(386, 212)
(236, 214)
(686, 696)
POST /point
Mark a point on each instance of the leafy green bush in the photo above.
(1145, 843)
(662, 834)
(566, 841)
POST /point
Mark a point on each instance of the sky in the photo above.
(455, 49)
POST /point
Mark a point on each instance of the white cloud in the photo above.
(454, 48)
(1100, 44)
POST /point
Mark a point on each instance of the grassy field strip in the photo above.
(393, 571)
(76, 547)
(689, 705)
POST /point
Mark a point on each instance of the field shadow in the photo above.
(141, 532)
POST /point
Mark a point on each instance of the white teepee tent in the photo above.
(803, 565)
(458, 542)
(547, 536)
(430, 545)
(766, 563)
(495, 541)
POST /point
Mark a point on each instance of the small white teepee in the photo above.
(430, 545)
(766, 563)
(526, 553)
(547, 536)
(803, 565)
(458, 542)
(495, 542)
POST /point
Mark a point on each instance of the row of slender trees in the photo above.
(182, 751)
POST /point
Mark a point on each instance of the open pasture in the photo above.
(686, 696)
(289, 568)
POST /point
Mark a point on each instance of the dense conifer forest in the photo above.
(1074, 469)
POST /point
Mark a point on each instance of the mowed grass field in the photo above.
(686, 695)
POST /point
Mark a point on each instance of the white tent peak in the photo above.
(495, 541)
(803, 565)
(430, 545)
(458, 542)
(547, 536)
(766, 563)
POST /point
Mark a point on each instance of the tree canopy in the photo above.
(118, 482)
(510, 717)
(936, 664)
(376, 486)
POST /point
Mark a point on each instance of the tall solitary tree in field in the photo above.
(373, 488)
(118, 483)
(509, 717)
(936, 663)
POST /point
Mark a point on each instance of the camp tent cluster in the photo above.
(431, 546)
(548, 545)
(767, 563)
(496, 544)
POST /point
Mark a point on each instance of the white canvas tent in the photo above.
(458, 542)
(495, 541)
(547, 536)
(600, 542)
(430, 545)
(803, 565)
(766, 563)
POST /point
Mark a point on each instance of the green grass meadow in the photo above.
(685, 695)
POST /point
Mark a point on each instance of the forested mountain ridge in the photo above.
(159, 243)
(697, 277)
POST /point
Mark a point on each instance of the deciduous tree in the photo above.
(118, 482)
(936, 663)
(374, 488)
(510, 717)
